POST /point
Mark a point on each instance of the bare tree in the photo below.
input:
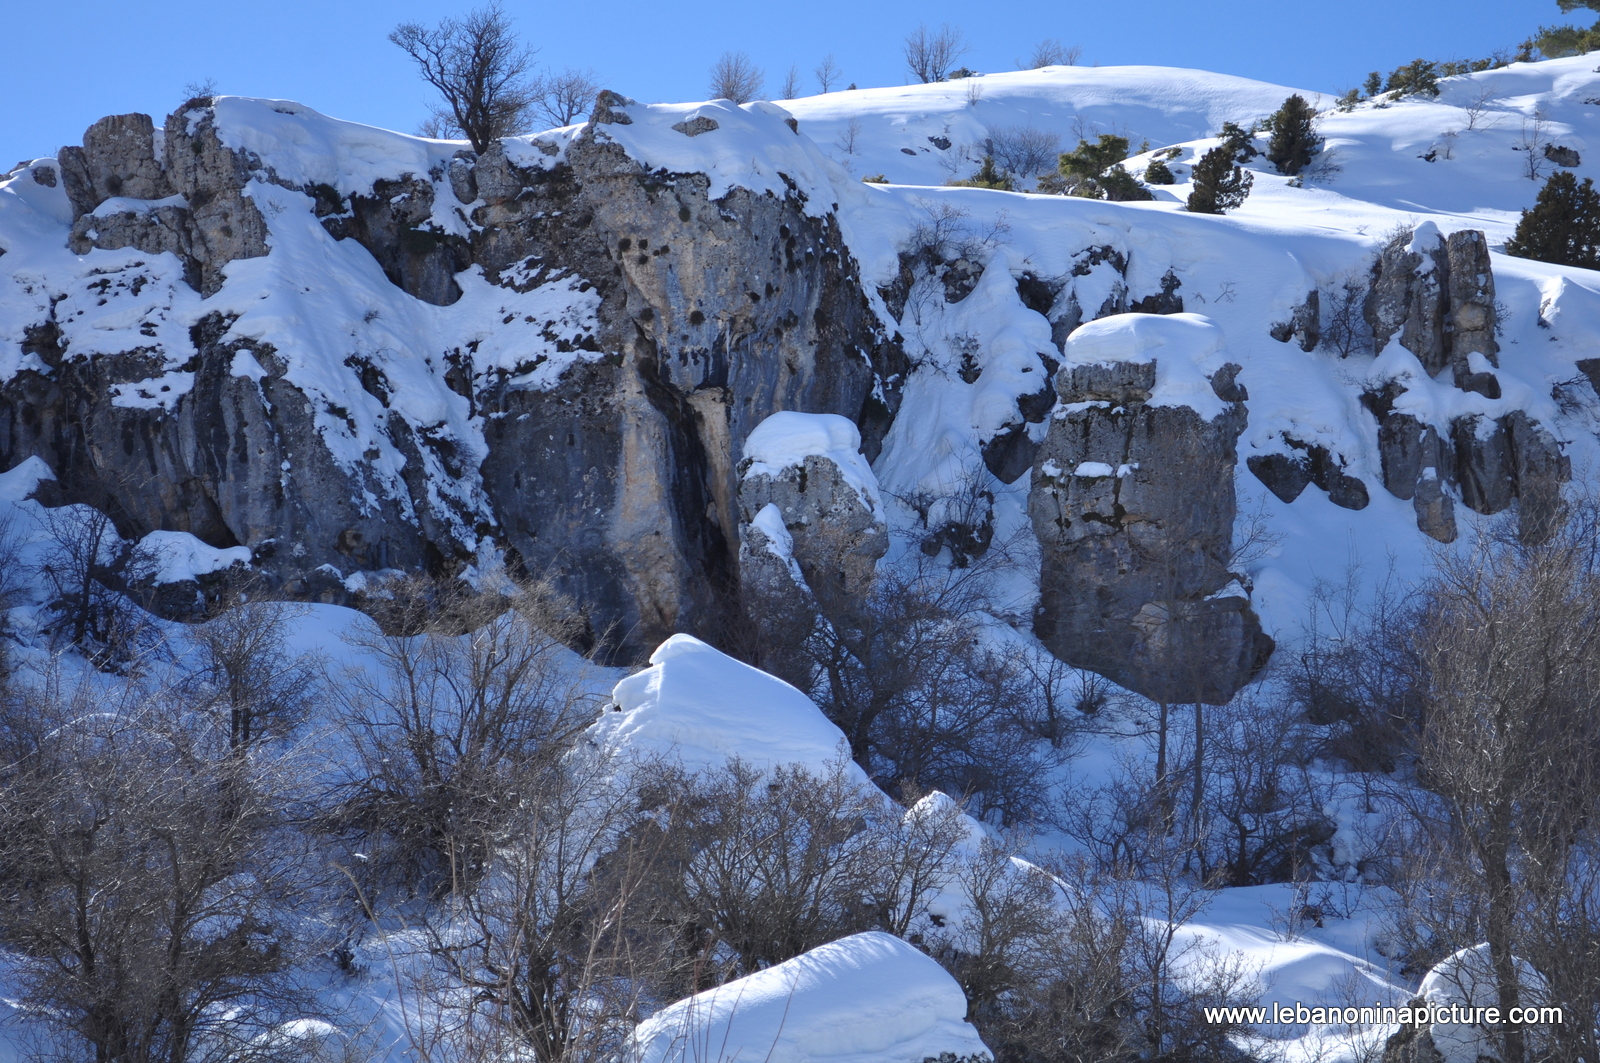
(444, 731)
(245, 673)
(90, 569)
(1051, 52)
(930, 54)
(1507, 642)
(1024, 152)
(791, 84)
(143, 876)
(564, 98)
(1479, 104)
(827, 73)
(480, 70)
(735, 77)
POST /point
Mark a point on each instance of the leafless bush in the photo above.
(791, 84)
(1023, 151)
(849, 136)
(1343, 301)
(146, 877)
(931, 53)
(443, 735)
(1479, 105)
(564, 98)
(243, 671)
(480, 70)
(90, 569)
(1051, 52)
(1532, 144)
(735, 77)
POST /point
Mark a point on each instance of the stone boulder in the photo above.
(1133, 505)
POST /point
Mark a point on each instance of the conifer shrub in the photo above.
(1563, 225)
(1219, 184)
(1158, 173)
(1092, 171)
(1418, 77)
(1239, 141)
(987, 177)
(1294, 139)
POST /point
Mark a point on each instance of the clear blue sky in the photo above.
(68, 62)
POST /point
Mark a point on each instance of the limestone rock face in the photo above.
(616, 480)
(212, 225)
(1438, 295)
(835, 536)
(1133, 505)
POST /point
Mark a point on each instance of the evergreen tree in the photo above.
(1564, 225)
(1556, 41)
(1294, 141)
(1219, 185)
(1417, 76)
(1373, 85)
(1091, 171)
(986, 177)
(1158, 172)
(1120, 186)
(1239, 141)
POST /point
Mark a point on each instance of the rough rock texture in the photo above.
(214, 225)
(618, 482)
(1133, 561)
(1286, 475)
(1304, 325)
(1438, 296)
(836, 538)
(1437, 293)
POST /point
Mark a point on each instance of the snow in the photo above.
(1466, 977)
(868, 998)
(1186, 349)
(786, 439)
(180, 556)
(699, 708)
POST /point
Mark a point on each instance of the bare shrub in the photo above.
(89, 569)
(480, 70)
(827, 73)
(443, 734)
(145, 876)
(243, 671)
(1023, 151)
(1051, 52)
(735, 77)
(791, 84)
(931, 53)
(1343, 300)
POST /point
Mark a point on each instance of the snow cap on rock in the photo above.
(700, 708)
(868, 998)
(788, 438)
(1186, 349)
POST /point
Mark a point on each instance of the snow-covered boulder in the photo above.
(699, 708)
(809, 502)
(1464, 978)
(868, 998)
(1133, 506)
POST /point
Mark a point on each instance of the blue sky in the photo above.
(67, 63)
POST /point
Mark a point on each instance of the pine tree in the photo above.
(1091, 171)
(1294, 140)
(1417, 76)
(1158, 172)
(1239, 141)
(1564, 225)
(1219, 185)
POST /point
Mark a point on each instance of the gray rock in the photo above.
(837, 538)
(1304, 325)
(1436, 512)
(1562, 155)
(1284, 475)
(118, 158)
(693, 127)
(1131, 561)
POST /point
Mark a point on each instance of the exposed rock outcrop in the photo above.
(1437, 294)
(616, 479)
(1133, 506)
